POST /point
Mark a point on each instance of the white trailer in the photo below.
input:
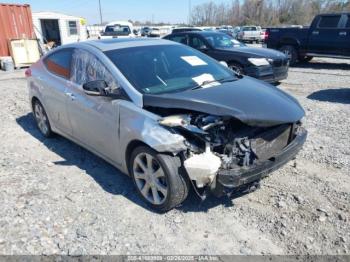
(59, 28)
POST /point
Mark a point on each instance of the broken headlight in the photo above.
(181, 121)
(175, 121)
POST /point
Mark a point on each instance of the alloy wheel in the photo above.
(41, 118)
(150, 178)
(236, 69)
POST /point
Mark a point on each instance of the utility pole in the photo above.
(189, 11)
(99, 5)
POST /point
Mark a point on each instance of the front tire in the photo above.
(236, 68)
(42, 119)
(291, 52)
(158, 178)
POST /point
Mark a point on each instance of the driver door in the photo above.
(199, 43)
(94, 119)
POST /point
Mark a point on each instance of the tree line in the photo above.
(264, 12)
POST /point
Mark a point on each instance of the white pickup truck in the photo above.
(118, 29)
(250, 34)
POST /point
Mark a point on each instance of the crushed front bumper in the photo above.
(228, 181)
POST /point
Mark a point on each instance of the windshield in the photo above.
(223, 41)
(167, 68)
(251, 28)
(118, 29)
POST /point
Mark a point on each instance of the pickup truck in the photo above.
(250, 34)
(328, 36)
(118, 29)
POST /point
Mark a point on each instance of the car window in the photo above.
(329, 21)
(348, 22)
(166, 68)
(223, 41)
(196, 42)
(86, 68)
(250, 28)
(118, 30)
(59, 63)
(182, 39)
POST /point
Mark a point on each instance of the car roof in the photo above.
(120, 43)
(204, 33)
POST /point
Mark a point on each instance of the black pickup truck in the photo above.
(328, 36)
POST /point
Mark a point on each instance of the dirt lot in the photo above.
(57, 198)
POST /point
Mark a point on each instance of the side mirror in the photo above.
(95, 88)
(203, 48)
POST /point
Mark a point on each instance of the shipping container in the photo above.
(15, 23)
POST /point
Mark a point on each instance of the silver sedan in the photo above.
(165, 114)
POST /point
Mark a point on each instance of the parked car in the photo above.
(118, 29)
(235, 32)
(226, 31)
(250, 34)
(261, 63)
(185, 29)
(328, 36)
(154, 32)
(145, 31)
(165, 114)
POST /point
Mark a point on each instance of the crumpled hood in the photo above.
(253, 102)
(257, 52)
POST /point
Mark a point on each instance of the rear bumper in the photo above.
(250, 38)
(268, 74)
(227, 181)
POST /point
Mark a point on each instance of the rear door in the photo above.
(344, 36)
(324, 36)
(56, 81)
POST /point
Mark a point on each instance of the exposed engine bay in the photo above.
(224, 143)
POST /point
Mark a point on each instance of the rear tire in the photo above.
(42, 119)
(305, 59)
(158, 178)
(291, 52)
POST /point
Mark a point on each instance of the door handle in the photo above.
(315, 32)
(343, 33)
(70, 95)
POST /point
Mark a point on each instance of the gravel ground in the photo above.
(57, 198)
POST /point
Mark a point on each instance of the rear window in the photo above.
(181, 30)
(118, 30)
(59, 63)
(329, 21)
(348, 22)
(250, 28)
(182, 39)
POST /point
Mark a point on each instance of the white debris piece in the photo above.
(202, 168)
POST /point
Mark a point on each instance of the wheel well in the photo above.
(290, 42)
(235, 62)
(34, 99)
(131, 147)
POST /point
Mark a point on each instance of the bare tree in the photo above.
(264, 12)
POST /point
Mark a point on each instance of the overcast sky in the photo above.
(174, 11)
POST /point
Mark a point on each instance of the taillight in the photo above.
(28, 72)
(266, 35)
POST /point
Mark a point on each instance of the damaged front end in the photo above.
(225, 154)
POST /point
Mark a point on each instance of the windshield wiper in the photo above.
(221, 81)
